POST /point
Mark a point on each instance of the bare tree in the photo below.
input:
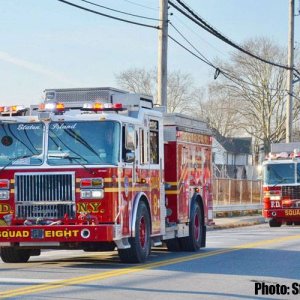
(259, 91)
(217, 110)
(137, 80)
(251, 97)
(181, 90)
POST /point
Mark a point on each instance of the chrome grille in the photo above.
(33, 211)
(44, 195)
(293, 192)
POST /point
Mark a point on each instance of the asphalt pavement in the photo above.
(234, 264)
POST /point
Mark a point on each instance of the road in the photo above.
(235, 262)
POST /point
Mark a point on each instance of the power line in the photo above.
(197, 56)
(230, 77)
(202, 58)
(218, 70)
(210, 29)
(214, 32)
(198, 35)
(208, 62)
(119, 11)
(293, 95)
(108, 16)
(191, 52)
(226, 74)
(138, 4)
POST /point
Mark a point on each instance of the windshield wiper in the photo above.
(13, 159)
(277, 175)
(65, 155)
(280, 181)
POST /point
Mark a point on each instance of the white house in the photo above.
(231, 156)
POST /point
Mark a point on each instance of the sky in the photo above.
(47, 44)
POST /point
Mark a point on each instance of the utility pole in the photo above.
(162, 70)
(289, 105)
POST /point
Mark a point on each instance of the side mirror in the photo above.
(129, 157)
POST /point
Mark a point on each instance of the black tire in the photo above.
(297, 223)
(193, 241)
(13, 255)
(274, 223)
(289, 223)
(173, 245)
(141, 243)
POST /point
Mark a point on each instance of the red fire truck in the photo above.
(281, 185)
(98, 169)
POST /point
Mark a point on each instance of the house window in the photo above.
(213, 156)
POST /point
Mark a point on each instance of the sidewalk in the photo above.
(232, 222)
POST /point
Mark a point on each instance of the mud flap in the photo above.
(203, 238)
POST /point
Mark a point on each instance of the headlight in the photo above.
(91, 194)
(4, 195)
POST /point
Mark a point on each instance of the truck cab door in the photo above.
(127, 176)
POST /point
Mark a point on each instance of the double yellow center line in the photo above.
(124, 271)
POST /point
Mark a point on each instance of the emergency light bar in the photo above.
(98, 106)
(283, 155)
(56, 107)
(12, 110)
(60, 108)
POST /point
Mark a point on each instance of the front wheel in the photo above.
(274, 223)
(14, 255)
(141, 243)
(193, 241)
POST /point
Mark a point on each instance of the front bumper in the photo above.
(58, 234)
(284, 214)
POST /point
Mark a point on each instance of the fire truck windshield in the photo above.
(278, 173)
(21, 143)
(83, 142)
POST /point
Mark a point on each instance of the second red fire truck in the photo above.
(98, 169)
(281, 185)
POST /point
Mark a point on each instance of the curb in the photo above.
(236, 224)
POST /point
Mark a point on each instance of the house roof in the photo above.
(235, 145)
